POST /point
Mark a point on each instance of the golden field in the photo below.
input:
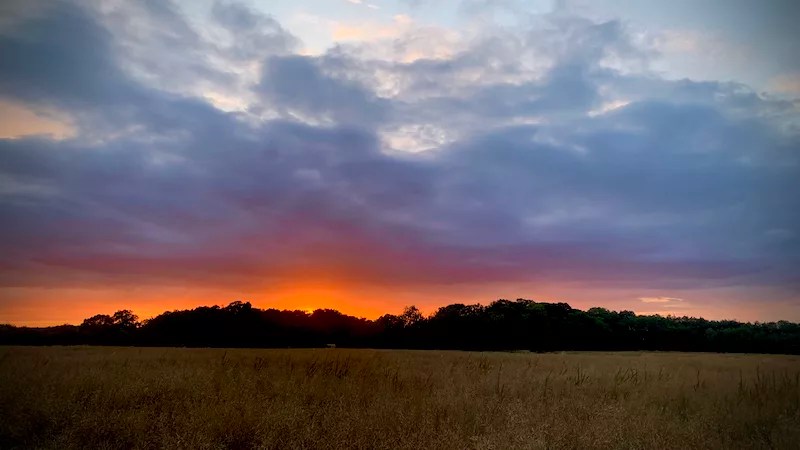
(114, 397)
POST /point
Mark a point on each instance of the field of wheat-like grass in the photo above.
(95, 397)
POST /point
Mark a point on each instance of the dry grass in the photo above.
(84, 397)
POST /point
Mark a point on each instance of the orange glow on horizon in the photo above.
(47, 307)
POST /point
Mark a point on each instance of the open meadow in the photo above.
(115, 397)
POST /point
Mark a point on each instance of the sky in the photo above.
(366, 155)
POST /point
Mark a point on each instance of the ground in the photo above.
(104, 397)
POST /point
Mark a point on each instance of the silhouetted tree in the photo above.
(500, 325)
(117, 329)
(125, 320)
(411, 316)
(99, 321)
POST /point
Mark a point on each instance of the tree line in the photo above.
(501, 325)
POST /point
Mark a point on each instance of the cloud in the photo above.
(660, 299)
(68, 40)
(543, 161)
(786, 84)
(360, 2)
(297, 85)
(361, 31)
(254, 35)
(20, 120)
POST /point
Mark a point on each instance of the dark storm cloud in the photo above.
(62, 56)
(65, 59)
(297, 83)
(256, 35)
(687, 184)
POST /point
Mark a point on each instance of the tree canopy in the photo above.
(501, 325)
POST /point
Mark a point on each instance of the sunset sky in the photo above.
(365, 155)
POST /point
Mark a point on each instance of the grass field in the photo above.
(93, 397)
